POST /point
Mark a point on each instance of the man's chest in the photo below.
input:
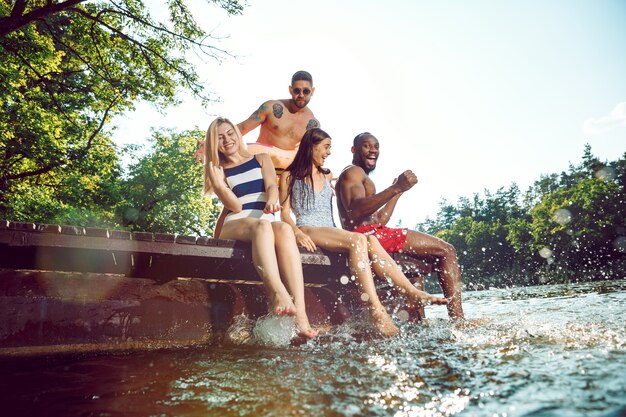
(370, 188)
(290, 125)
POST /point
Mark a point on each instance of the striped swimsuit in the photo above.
(246, 181)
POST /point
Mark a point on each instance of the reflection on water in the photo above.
(538, 351)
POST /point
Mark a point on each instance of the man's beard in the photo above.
(361, 163)
(300, 105)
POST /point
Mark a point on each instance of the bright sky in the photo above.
(470, 95)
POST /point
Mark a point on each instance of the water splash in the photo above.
(270, 330)
(274, 331)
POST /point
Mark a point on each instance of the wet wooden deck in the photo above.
(62, 287)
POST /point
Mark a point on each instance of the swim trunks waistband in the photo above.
(391, 239)
(281, 158)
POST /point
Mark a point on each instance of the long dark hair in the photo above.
(302, 166)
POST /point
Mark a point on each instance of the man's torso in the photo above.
(347, 222)
(284, 129)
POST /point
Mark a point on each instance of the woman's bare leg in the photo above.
(261, 235)
(339, 240)
(290, 267)
(384, 266)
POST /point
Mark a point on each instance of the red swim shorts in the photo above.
(392, 240)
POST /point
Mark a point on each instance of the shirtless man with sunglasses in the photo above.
(283, 122)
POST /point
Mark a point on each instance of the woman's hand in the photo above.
(216, 174)
(271, 208)
(302, 239)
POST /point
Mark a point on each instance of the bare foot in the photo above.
(282, 306)
(284, 311)
(308, 334)
(420, 298)
(382, 321)
(304, 328)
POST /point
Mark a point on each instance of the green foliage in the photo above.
(479, 231)
(568, 223)
(163, 190)
(80, 192)
(580, 223)
(66, 67)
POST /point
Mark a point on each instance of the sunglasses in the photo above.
(305, 91)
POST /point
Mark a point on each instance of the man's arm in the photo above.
(384, 214)
(358, 205)
(257, 118)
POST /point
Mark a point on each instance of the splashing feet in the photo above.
(282, 306)
(421, 298)
(304, 328)
(310, 333)
(382, 321)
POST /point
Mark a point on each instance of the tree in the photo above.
(66, 68)
(163, 189)
(567, 224)
(480, 233)
(579, 224)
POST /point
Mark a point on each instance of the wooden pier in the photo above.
(73, 289)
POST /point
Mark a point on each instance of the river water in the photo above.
(549, 351)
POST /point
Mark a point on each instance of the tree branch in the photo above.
(142, 47)
(17, 19)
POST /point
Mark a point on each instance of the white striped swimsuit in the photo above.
(246, 181)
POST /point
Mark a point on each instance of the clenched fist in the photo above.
(406, 180)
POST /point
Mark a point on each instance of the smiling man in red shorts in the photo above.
(363, 210)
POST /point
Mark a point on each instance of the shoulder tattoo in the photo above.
(312, 123)
(277, 108)
(257, 114)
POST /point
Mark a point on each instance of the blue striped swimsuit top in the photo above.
(246, 181)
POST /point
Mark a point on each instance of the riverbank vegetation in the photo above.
(568, 224)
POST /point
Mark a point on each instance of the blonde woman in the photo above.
(246, 186)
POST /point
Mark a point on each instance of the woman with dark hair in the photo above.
(305, 189)
(246, 185)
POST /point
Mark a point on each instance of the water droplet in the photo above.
(620, 244)
(562, 216)
(344, 279)
(403, 315)
(606, 173)
(545, 252)
(365, 297)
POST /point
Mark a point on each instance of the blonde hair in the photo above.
(211, 153)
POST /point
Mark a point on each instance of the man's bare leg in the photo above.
(421, 244)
